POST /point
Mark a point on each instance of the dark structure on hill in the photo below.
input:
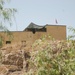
(34, 32)
(35, 28)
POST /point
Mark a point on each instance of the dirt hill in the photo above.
(14, 58)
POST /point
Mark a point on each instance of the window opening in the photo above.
(8, 42)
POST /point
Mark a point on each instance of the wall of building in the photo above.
(58, 32)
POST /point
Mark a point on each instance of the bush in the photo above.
(52, 58)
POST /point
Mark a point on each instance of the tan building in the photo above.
(33, 32)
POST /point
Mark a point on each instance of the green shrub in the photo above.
(54, 58)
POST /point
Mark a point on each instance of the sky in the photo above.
(42, 12)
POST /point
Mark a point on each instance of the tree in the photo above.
(6, 15)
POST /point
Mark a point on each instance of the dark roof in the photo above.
(33, 26)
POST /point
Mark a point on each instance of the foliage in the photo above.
(6, 16)
(73, 33)
(52, 58)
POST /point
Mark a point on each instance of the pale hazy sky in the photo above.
(43, 12)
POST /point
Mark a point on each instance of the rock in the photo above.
(13, 68)
(13, 59)
(18, 59)
(3, 70)
(7, 69)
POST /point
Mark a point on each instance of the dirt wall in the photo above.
(57, 32)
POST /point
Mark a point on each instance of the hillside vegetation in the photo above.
(52, 57)
(45, 57)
